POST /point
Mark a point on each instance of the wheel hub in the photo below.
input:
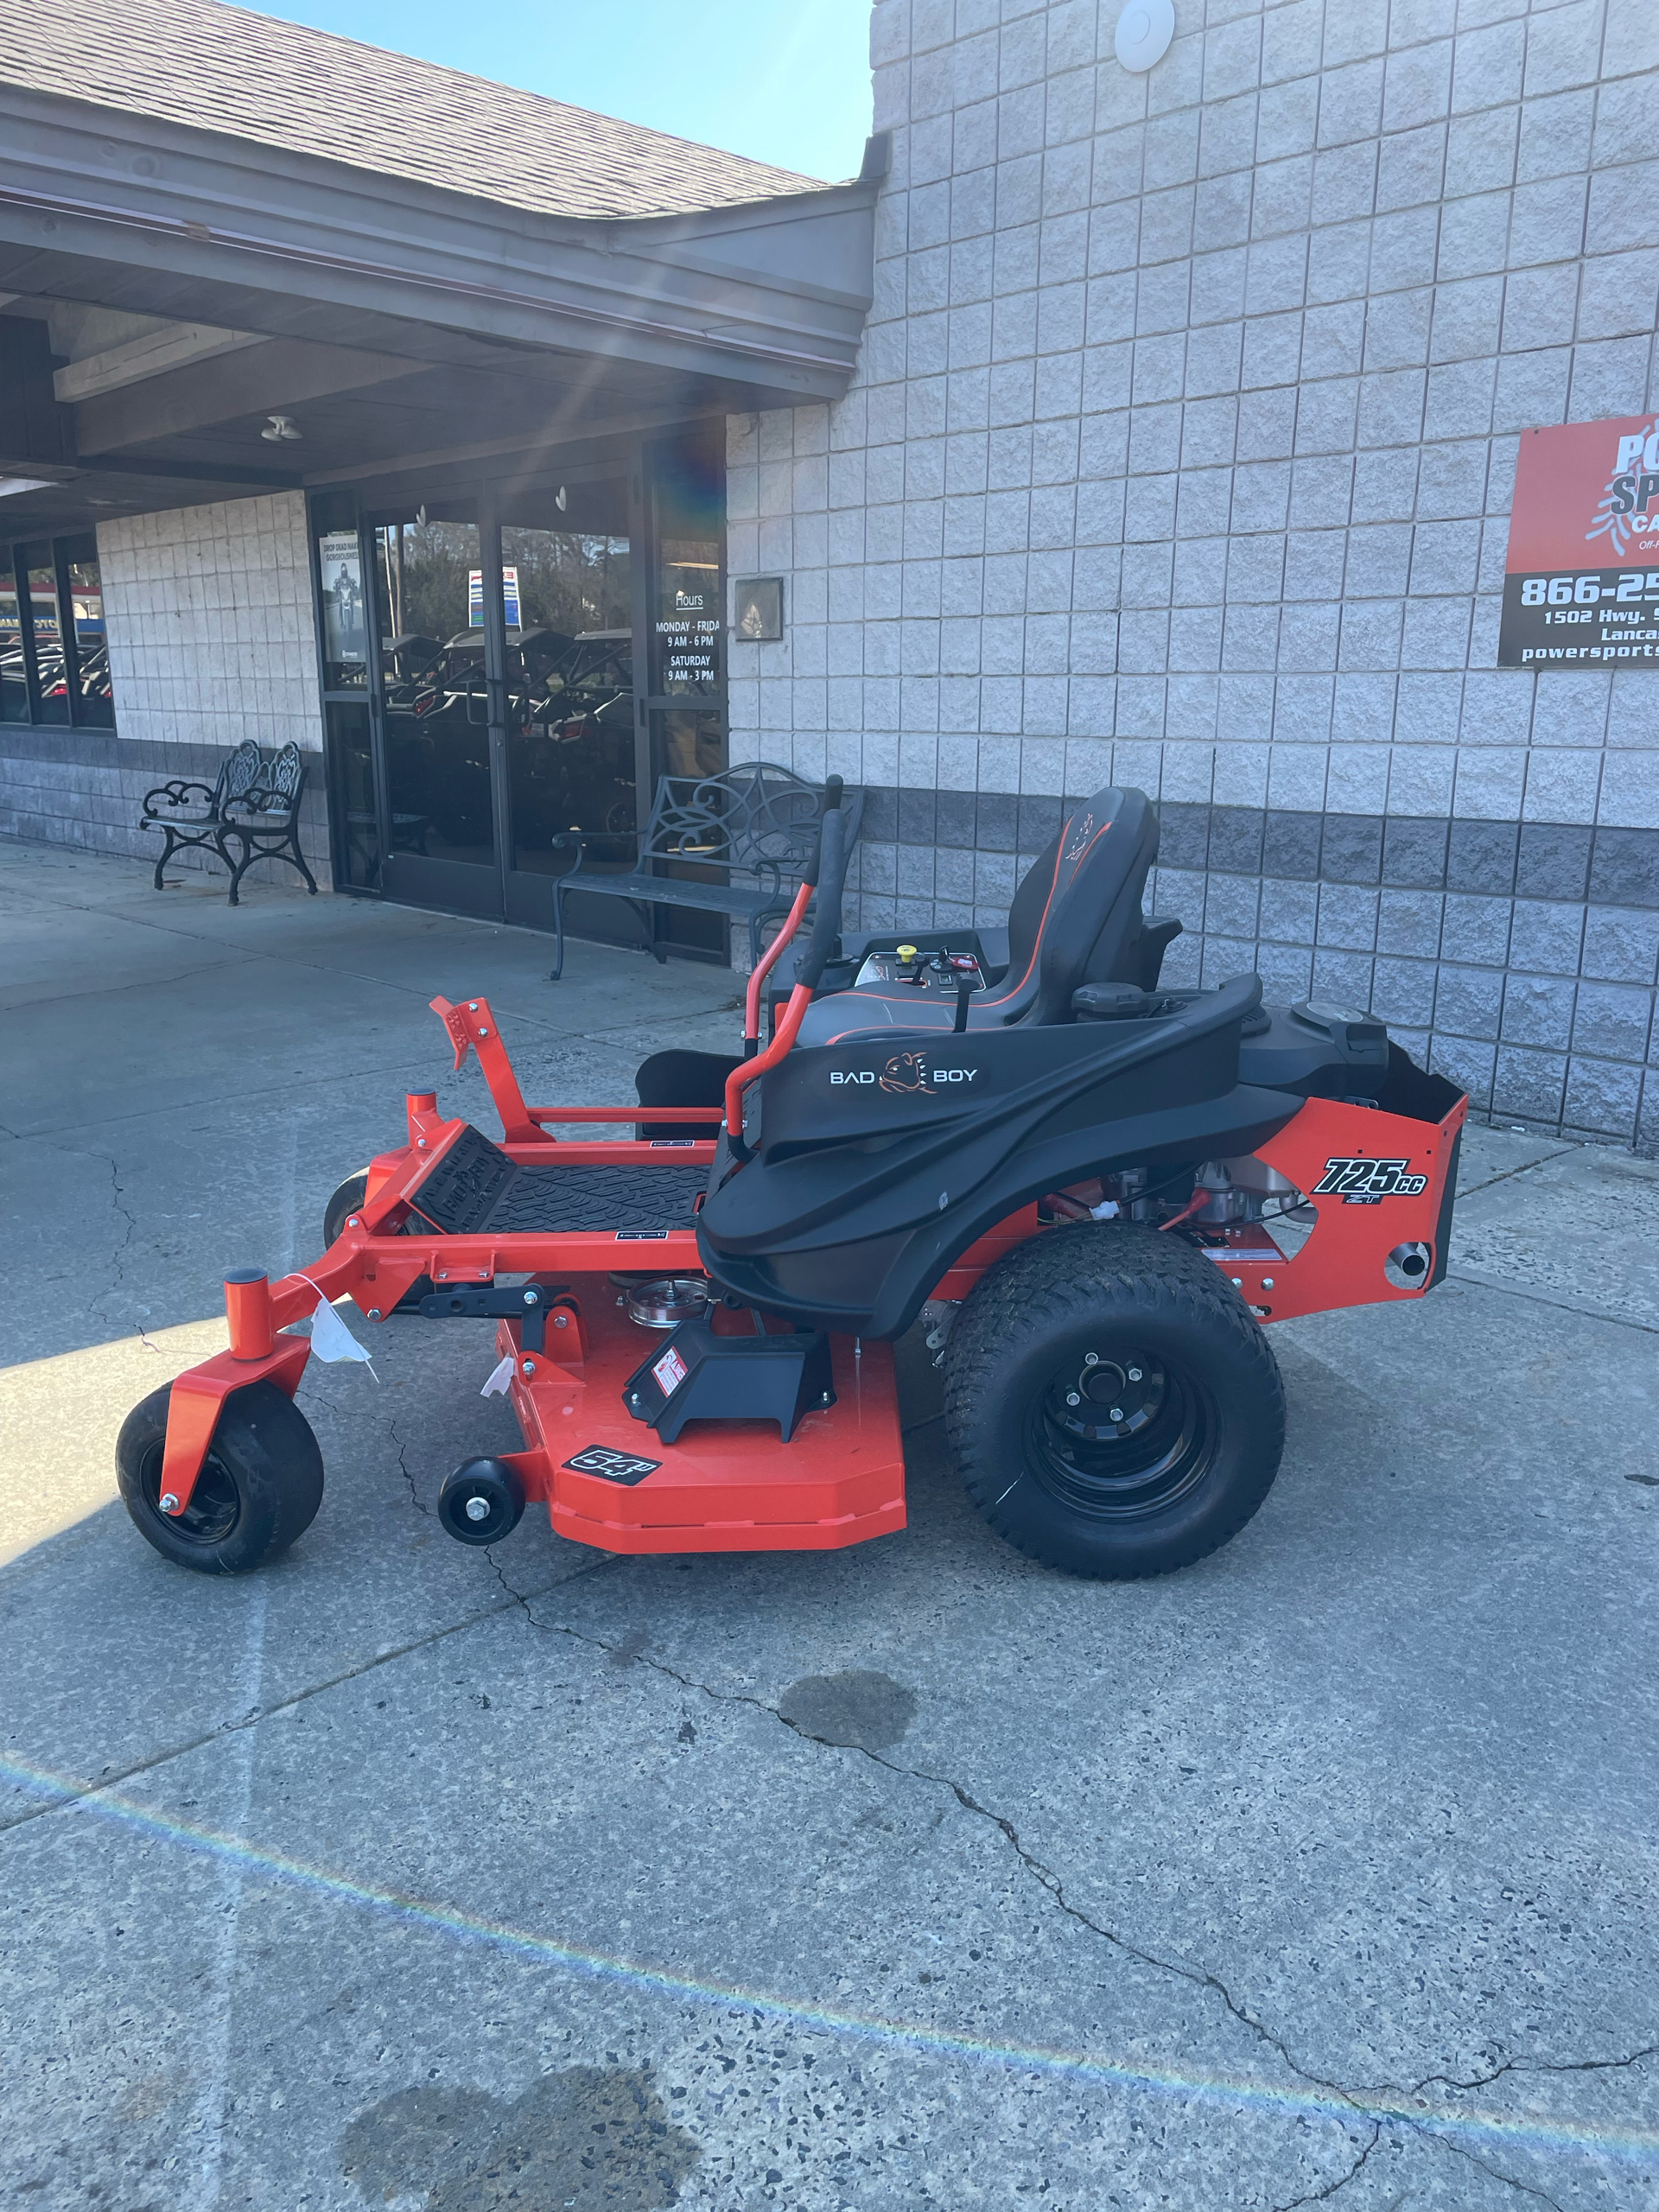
(1121, 1433)
(1107, 1397)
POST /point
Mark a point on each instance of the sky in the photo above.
(786, 81)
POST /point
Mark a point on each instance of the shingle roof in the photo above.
(226, 69)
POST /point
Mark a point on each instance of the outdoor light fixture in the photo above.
(280, 428)
(1144, 30)
(561, 498)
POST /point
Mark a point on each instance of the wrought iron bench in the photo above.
(253, 802)
(190, 813)
(760, 822)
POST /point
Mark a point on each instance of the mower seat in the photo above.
(1076, 918)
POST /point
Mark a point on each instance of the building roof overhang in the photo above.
(396, 317)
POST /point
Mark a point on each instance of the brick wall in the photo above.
(211, 640)
(1180, 454)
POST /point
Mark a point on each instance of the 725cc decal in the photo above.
(1364, 1182)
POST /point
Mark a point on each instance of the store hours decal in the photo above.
(1581, 581)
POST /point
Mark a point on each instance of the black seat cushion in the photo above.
(1076, 918)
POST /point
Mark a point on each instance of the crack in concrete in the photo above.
(1362, 2102)
(1506, 1174)
(403, 1464)
(1586, 1312)
(1324, 2195)
(1044, 1875)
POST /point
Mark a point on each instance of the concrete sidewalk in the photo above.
(908, 1877)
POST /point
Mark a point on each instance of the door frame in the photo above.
(500, 892)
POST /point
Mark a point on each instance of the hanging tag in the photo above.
(500, 1375)
(331, 1339)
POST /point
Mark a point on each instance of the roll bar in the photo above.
(833, 788)
(831, 875)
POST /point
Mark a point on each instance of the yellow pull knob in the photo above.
(906, 952)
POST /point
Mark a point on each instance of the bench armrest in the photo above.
(177, 793)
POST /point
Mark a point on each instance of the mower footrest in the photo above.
(697, 1375)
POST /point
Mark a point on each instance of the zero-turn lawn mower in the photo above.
(1093, 1191)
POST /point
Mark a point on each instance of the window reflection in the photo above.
(45, 675)
(570, 712)
(94, 694)
(437, 699)
(51, 667)
(14, 682)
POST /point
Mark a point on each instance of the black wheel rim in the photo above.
(1119, 1433)
(216, 1504)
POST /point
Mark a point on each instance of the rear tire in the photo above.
(1113, 1408)
(259, 1487)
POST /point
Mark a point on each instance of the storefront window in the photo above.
(54, 661)
(51, 668)
(352, 763)
(14, 680)
(94, 696)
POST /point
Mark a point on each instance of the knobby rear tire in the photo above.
(1031, 1412)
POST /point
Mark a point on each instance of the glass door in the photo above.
(572, 742)
(434, 703)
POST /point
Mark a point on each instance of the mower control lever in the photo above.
(528, 1304)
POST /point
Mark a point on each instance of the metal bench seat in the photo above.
(758, 823)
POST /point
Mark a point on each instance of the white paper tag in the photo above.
(500, 1375)
(331, 1339)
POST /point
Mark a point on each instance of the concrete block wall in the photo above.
(211, 640)
(1180, 454)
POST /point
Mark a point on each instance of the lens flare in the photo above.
(1436, 2115)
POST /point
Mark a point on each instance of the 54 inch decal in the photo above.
(1363, 1182)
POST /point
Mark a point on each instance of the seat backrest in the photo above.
(1076, 917)
(276, 788)
(238, 772)
(761, 819)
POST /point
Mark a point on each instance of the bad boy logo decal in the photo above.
(906, 1073)
(1367, 1182)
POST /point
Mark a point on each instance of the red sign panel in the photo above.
(1581, 582)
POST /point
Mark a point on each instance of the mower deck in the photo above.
(609, 1480)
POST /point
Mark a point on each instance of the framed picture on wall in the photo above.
(758, 609)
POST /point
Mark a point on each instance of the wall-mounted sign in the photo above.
(475, 597)
(1581, 582)
(758, 609)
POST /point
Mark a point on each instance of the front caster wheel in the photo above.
(481, 1501)
(1113, 1407)
(259, 1487)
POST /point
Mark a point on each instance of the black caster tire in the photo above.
(1113, 1407)
(259, 1488)
(346, 1201)
(481, 1501)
